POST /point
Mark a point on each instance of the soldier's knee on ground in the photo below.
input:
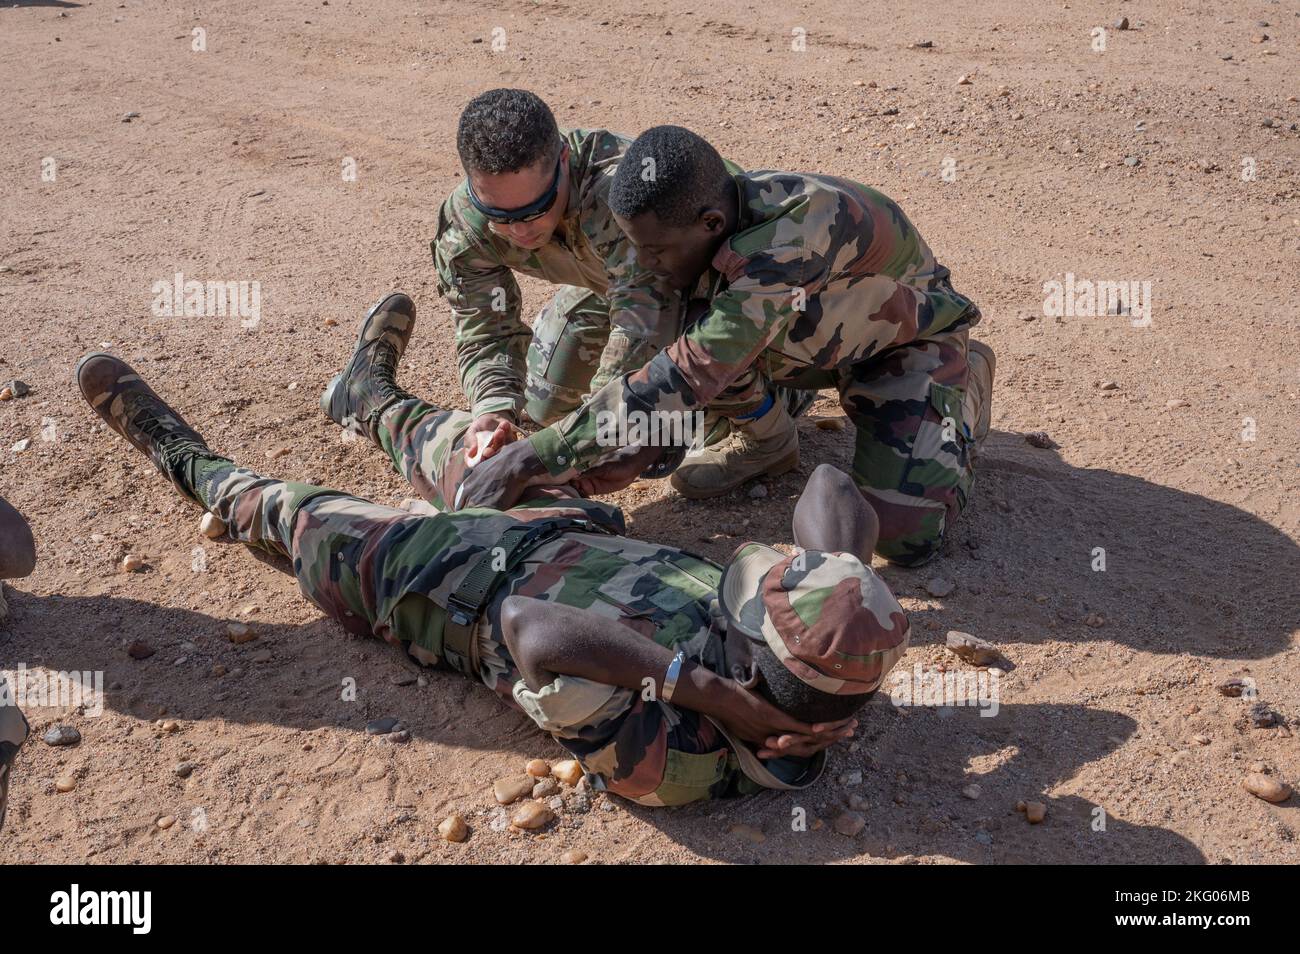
(547, 403)
(911, 530)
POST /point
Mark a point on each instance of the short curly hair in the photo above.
(505, 130)
(796, 698)
(671, 172)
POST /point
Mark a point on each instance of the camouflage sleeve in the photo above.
(645, 313)
(491, 339)
(716, 353)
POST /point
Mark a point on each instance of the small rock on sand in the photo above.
(545, 787)
(850, 823)
(131, 563)
(1039, 439)
(569, 771)
(971, 791)
(1233, 687)
(62, 735)
(184, 769)
(381, 726)
(939, 587)
(512, 788)
(453, 828)
(1035, 812)
(211, 526)
(65, 783)
(1269, 789)
(140, 650)
(240, 633)
(531, 816)
(573, 857)
(976, 651)
(538, 768)
(166, 822)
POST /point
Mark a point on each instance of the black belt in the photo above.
(466, 604)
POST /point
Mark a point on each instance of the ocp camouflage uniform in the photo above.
(825, 283)
(386, 572)
(610, 315)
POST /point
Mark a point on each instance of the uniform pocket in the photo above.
(947, 403)
(689, 777)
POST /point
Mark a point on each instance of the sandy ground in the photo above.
(232, 171)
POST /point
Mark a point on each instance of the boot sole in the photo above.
(782, 466)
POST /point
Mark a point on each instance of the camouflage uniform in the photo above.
(609, 316)
(388, 573)
(825, 283)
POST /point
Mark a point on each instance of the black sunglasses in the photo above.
(525, 213)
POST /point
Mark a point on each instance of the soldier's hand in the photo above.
(775, 733)
(499, 482)
(500, 425)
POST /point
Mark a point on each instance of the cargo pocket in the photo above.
(947, 403)
(688, 777)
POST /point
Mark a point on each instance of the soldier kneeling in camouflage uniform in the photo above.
(812, 282)
(719, 681)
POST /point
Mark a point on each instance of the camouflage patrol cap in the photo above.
(826, 616)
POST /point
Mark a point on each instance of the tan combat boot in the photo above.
(768, 446)
(978, 403)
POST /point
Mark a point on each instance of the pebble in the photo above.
(963, 80)
(569, 771)
(1131, 161)
(976, 651)
(140, 650)
(127, 117)
(849, 823)
(169, 726)
(1269, 789)
(330, 323)
(1201, 739)
(453, 828)
(381, 726)
(240, 633)
(859, 803)
(757, 492)
(400, 737)
(1121, 23)
(573, 857)
(184, 769)
(580, 803)
(538, 768)
(65, 783)
(1108, 386)
(1232, 687)
(166, 822)
(939, 587)
(512, 788)
(1039, 439)
(971, 791)
(1262, 716)
(219, 670)
(499, 820)
(531, 816)
(1094, 621)
(405, 679)
(14, 389)
(396, 857)
(62, 735)
(922, 45)
(556, 803)
(1035, 812)
(606, 806)
(131, 563)
(261, 656)
(211, 526)
(1170, 405)
(831, 424)
(545, 787)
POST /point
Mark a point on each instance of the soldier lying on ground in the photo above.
(718, 681)
(17, 559)
(534, 202)
(812, 282)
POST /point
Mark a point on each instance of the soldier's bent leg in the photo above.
(425, 444)
(569, 335)
(914, 440)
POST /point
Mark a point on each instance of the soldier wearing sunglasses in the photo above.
(534, 202)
